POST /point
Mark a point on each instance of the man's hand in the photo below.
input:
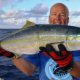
(6, 53)
(62, 57)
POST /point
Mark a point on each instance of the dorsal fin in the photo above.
(28, 24)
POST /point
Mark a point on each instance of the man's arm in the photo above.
(76, 70)
(24, 66)
(20, 63)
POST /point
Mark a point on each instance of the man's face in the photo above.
(58, 15)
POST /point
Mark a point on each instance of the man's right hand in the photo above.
(63, 58)
(6, 53)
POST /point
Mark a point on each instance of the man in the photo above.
(58, 15)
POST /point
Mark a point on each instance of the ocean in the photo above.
(7, 69)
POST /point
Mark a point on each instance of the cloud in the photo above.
(74, 21)
(20, 0)
(9, 2)
(5, 2)
(16, 17)
(76, 13)
(40, 20)
(9, 20)
(1, 12)
(9, 14)
(36, 11)
(39, 10)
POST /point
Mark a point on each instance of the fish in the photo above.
(28, 40)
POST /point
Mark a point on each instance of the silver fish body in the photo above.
(29, 40)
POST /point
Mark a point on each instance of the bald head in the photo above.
(60, 5)
(59, 14)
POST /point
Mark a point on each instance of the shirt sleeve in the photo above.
(76, 55)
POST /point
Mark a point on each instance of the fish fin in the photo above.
(28, 24)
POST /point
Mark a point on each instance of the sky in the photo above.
(14, 13)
